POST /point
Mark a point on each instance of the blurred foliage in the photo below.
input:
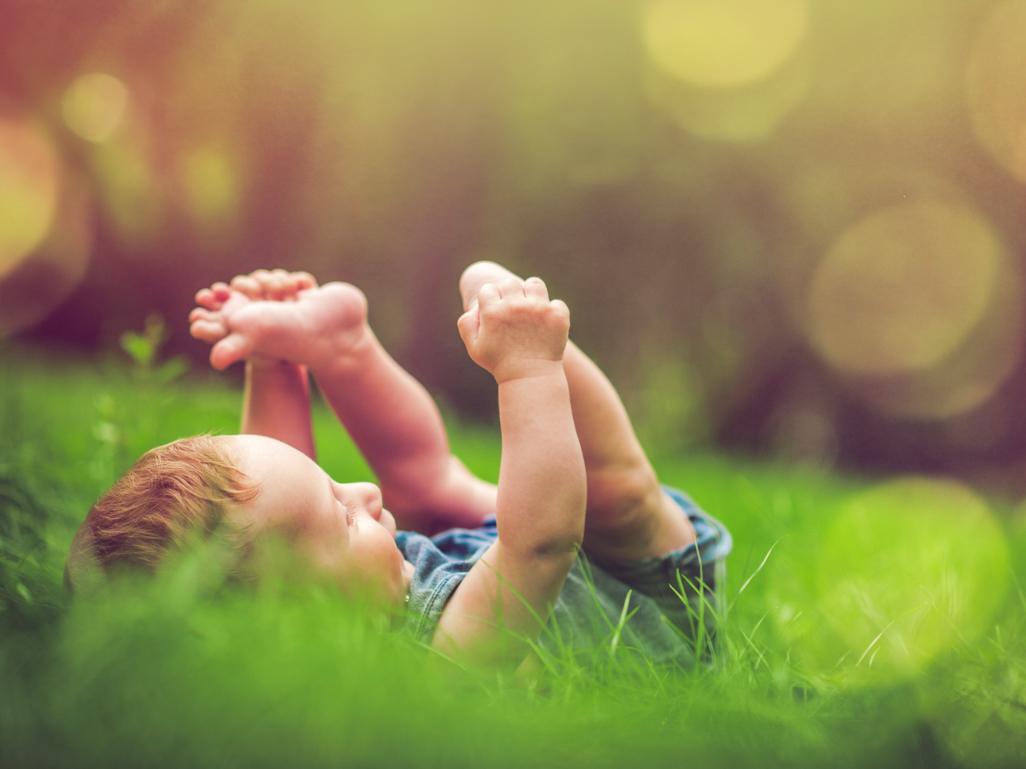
(739, 201)
(22, 543)
(143, 349)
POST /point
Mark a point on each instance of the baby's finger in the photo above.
(469, 325)
(561, 307)
(511, 287)
(535, 288)
(304, 280)
(488, 295)
(230, 349)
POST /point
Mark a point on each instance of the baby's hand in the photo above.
(514, 331)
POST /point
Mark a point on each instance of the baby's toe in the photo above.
(206, 298)
(279, 285)
(249, 286)
(200, 313)
(208, 331)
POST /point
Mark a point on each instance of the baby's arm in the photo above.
(518, 335)
(276, 401)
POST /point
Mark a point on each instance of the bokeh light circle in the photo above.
(723, 43)
(970, 376)
(905, 572)
(995, 95)
(741, 114)
(902, 289)
(31, 291)
(29, 184)
(210, 184)
(94, 105)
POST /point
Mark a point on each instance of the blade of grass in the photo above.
(754, 574)
(880, 634)
(619, 625)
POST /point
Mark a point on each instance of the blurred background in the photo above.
(790, 228)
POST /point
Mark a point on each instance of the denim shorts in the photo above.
(701, 565)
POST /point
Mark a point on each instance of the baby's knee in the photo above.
(625, 492)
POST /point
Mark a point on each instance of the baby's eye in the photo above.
(347, 513)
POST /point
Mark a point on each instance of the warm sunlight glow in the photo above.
(210, 184)
(29, 184)
(130, 185)
(723, 42)
(994, 86)
(905, 572)
(903, 288)
(966, 379)
(42, 280)
(741, 114)
(94, 105)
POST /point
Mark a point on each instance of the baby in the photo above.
(485, 571)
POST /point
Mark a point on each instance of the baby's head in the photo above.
(251, 490)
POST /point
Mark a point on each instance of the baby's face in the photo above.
(340, 529)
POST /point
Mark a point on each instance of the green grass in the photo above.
(884, 627)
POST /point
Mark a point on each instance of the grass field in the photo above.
(870, 623)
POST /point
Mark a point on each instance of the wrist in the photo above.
(527, 368)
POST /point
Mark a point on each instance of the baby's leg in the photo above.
(390, 416)
(276, 398)
(628, 515)
(396, 424)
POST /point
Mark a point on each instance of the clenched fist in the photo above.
(515, 330)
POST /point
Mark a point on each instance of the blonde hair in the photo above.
(171, 495)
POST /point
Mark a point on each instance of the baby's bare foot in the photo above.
(477, 275)
(314, 329)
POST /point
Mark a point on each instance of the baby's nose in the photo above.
(370, 496)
